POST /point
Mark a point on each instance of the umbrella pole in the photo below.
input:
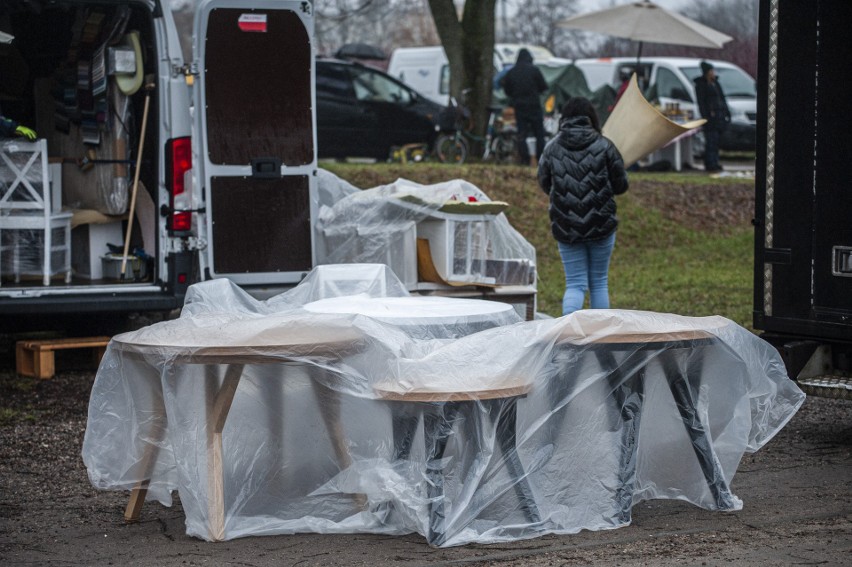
(639, 74)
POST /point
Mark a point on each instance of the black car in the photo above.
(363, 112)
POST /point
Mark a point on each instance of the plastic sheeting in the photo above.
(459, 423)
(382, 225)
(23, 198)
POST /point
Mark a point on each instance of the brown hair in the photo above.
(581, 106)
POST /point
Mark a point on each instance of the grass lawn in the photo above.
(684, 242)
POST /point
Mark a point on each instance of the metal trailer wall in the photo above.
(803, 210)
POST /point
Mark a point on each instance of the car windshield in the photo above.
(371, 86)
(734, 82)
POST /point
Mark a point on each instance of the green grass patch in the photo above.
(659, 264)
(10, 416)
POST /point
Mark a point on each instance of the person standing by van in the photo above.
(713, 108)
(524, 84)
(582, 171)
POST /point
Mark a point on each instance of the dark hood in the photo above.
(577, 133)
(524, 56)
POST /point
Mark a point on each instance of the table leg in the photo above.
(218, 405)
(437, 428)
(328, 400)
(677, 156)
(156, 433)
(701, 442)
(404, 421)
(507, 436)
(626, 380)
(329, 404)
(629, 396)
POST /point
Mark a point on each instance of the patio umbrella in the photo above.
(6, 38)
(645, 21)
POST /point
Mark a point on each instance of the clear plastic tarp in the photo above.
(448, 233)
(348, 406)
(32, 224)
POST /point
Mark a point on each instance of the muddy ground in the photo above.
(797, 493)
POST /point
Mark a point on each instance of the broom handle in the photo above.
(148, 89)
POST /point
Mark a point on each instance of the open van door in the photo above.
(255, 150)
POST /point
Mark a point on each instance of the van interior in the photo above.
(75, 73)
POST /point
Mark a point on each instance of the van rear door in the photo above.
(255, 150)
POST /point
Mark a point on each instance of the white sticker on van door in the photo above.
(252, 23)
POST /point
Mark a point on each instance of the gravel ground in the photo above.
(797, 494)
(797, 491)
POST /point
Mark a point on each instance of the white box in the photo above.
(459, 247)
(89, 243)
(395, 246)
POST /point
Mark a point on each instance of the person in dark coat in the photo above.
(524, 84)
(714, 108)
(582, 171)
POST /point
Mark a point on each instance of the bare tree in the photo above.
(383, 23)
(469, 44)
(737, 18)
(536, 22)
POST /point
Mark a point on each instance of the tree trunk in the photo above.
(469, 45)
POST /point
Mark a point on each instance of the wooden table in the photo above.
(445, 317)
(272, 345)
(626, 357)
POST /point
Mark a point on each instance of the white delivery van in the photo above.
(424, 69)
(235, 199)
(668, 80)
(427, 70)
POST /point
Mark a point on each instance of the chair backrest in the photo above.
(25, 176)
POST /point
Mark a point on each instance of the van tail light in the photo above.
(178, 168)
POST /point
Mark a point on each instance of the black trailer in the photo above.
(803, 211)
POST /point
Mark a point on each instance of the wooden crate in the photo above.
(36, 358)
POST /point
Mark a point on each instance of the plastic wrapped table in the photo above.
(209, 348)
(628, 357)
(440, 407)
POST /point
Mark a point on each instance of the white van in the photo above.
(427, 70)
(237, 200)
(668, 80)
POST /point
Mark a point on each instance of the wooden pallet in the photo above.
(36, 358)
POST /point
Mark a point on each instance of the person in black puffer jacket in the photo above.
(582, 172)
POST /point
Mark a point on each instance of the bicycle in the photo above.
(452, 145)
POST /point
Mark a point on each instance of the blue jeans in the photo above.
(586, 268)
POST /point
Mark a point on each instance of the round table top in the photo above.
(414, 309)
(232, 338)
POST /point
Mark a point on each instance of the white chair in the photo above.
(31, 204)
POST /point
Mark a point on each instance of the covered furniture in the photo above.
(437, 238)
(439, 410)
(35, 234)
(223, 363)
(459, 431)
